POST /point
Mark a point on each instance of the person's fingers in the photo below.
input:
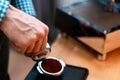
(40, 37)
(30, 41)
(36, 47)
(29, 50)
(43, 47)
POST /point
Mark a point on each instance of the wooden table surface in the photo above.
(74, 53)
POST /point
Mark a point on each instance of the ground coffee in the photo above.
(51, 65)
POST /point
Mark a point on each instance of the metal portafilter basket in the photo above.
(50, 66)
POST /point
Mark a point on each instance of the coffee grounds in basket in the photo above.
(51, 65)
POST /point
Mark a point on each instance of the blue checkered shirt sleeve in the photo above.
(4, 5)
(25, 5)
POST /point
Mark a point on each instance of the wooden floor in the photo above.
(19, 65)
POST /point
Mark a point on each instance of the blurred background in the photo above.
(46, 12)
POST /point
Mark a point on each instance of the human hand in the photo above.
(27, 34)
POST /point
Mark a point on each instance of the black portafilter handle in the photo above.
(42, 56)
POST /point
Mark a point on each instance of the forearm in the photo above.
(25, 5)
(27, 34)
(4, 5)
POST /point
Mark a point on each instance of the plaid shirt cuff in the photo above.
(4, 5)
(25, 5)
